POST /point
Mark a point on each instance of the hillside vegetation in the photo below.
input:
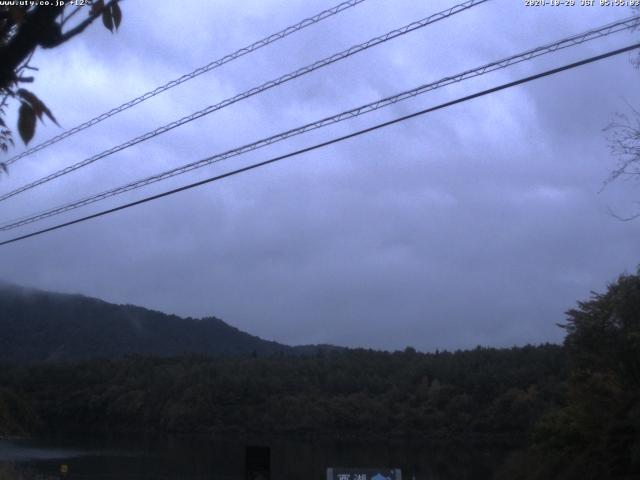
(573, 410)
(480, 392)
(37, 326)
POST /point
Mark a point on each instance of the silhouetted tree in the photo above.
(597, 434)
(24, 28)
(624, 143)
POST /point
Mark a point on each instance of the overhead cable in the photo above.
(251, 92)
(188, 76)
(330, 142)
(574, 40)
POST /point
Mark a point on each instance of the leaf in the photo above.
(107, 19)
(26, 122)
(17, 14)
(32, 99)
(48, 113)
(117, 14)
(96, 7)
(4, 165)
(38, 105)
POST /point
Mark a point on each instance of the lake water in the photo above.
(223, 459)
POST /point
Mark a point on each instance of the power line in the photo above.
(186, 77)
(574, 40)
(253, 91)
(332, 141)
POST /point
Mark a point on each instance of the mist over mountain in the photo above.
(40, 326)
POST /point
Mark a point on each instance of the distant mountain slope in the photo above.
(38, 326)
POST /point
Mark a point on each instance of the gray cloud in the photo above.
(479, 224)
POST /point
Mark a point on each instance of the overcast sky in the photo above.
(478, 224)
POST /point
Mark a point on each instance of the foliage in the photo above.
(10, 472)
(597, 434)
(39, 326)
(624, 142)
(25, 26)
(579, 404)
(17, 417)
(488, 393)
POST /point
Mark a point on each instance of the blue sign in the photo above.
(364, 474)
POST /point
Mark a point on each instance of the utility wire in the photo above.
(489, 91)
(186, 77)
(254, 91)
(600, 32)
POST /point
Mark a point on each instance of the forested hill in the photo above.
(37, 326)
(494, 393)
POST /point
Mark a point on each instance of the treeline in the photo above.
(596, 434)
(484, 392)
(577, 405)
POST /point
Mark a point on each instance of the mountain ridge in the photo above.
(43, 326)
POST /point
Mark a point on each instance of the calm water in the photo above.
(223, 459)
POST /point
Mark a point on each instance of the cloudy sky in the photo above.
(478, 224)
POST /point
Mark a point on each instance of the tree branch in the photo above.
(68, 17)
(38, 28)
(622, 219)
(82, 25)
